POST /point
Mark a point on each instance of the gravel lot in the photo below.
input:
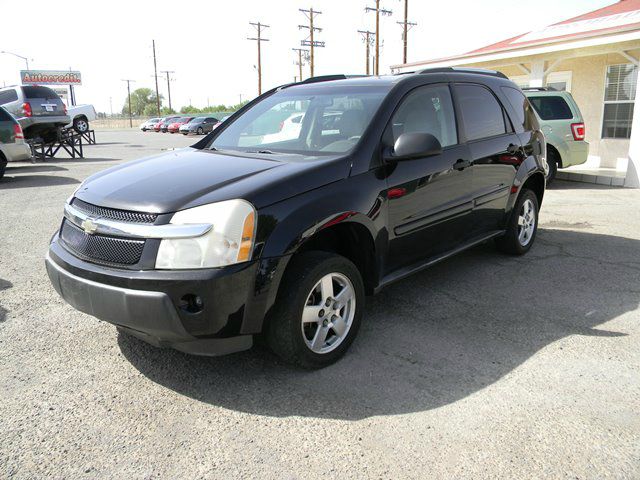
(485, 366)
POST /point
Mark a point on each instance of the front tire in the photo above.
(522, 226)
(318, 310)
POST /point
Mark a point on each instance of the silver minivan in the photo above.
(39, 110)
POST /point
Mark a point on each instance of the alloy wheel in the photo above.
(526, 222)
(328, 313)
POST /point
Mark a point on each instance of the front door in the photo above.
(429, 199)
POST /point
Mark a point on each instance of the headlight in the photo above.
(229, 241)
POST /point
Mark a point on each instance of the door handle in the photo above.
(461, 164)
(513, 149)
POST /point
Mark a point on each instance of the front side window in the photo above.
(427, 110)
(309, 120)
(619, 99)
(482, 115)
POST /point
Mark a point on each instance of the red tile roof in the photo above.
(588, 28)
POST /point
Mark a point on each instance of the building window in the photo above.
(619, 97)
(560, 81)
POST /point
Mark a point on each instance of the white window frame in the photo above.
(562, 76)
(607, 102)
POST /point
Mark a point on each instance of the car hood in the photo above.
(190, 177)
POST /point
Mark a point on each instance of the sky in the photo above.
(205, 43)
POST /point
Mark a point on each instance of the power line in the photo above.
(367, 37)
(310, 42)
(129, 95)
(168, 73)
(303, 55)
(378, 11)
(155, 74)
(406, 26)
(259, 26)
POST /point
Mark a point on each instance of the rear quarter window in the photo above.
(523, 110)
(551, 108)
(5, 116)
(39, 92)
(8, 96)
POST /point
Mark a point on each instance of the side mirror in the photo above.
(414, 145)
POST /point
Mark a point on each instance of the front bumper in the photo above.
(148, 303)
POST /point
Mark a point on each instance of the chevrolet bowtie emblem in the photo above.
(89, 226)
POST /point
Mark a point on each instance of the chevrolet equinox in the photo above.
(204, 248)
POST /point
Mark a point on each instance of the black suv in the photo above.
(204, 248)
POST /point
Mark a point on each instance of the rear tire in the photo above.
(81, 125)
(3, 165)
(200, 131)
(318, 310)
(552, 161)
(522, 226)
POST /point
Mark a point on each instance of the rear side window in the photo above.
(482, 115)
(427, 110)
(522, 107)
(38, 92)
(8, 96)
(551, 108)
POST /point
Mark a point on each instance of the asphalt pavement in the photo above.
(484, 366)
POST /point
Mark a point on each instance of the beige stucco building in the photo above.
(595, 56)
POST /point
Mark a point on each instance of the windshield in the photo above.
(305, 120)
(197, 120)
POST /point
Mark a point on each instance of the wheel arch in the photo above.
(552, 149)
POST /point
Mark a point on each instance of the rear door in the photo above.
(44, 102)
(495, 151)
(429, 199)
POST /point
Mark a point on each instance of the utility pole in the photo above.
(129, 94)
(406, 26)
(155, 74)
(259, 26)
(167, 73)
(367, 37)
(310, 42)
(378, 11)
(301, 52)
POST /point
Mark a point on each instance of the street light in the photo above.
(19, 56)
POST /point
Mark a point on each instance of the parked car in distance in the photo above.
(175, 126)
(12, 144)
(39, 110)
(199, 125)
(289, 128)
(222, 120)
(164, 125)
(149, 124)
(203, 248)
(562, 124)
(80, 116)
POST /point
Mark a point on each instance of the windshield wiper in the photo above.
(268, 152)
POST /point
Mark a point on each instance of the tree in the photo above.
(190, 109)
(141, 98)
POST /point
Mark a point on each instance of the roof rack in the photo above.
(479, 71)
(539, 89)
(328, 78)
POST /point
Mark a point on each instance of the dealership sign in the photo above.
(50, 77)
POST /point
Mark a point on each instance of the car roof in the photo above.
(460, 74)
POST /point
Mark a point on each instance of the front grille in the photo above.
(99, 248)
(113, 213)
